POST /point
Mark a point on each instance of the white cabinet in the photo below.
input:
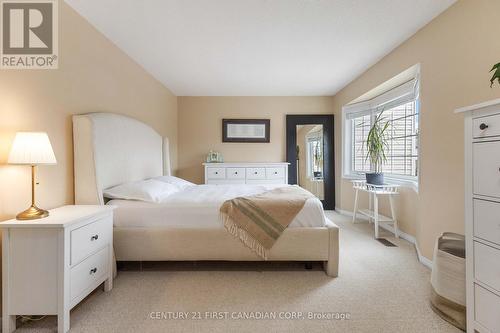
(49, 265)
(246, 173)
(482, 215)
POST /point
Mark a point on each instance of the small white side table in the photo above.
(374, 191)
(49, 265)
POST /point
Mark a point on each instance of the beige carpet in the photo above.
(383, 289)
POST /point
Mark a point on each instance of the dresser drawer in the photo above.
(216, 173)
(485, 127)
(487, 308)
(235, 173)
(274, 173)
(256, 173)
(487, 220)
(486, 168)
(90, 238)
(487, 265)
(89, 272)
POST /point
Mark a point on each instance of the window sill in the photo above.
(393, 180)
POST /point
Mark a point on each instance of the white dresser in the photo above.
(49, 265)
(482, 215)
(246, 173)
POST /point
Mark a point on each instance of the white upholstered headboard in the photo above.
(110, 149)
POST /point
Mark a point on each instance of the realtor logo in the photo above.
(28, 34)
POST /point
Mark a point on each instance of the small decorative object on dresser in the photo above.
(50, 265)
(214, 157)
(246, 130)
(32, 148)
(482, 209)
(246, 173)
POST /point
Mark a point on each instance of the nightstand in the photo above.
(49, 265)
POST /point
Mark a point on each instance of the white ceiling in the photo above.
(258, 47)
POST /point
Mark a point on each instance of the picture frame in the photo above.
(246, 130)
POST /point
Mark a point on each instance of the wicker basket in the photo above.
(448, 279)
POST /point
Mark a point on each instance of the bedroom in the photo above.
(143, 94)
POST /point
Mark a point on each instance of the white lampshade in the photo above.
(31, 148)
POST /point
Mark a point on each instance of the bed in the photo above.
(111, 149)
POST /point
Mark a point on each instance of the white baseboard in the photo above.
(423, 260)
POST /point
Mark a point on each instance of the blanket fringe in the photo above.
(244, 237)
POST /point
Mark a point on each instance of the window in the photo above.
(314, 144)
(400, 109)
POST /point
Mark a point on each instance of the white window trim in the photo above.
(392, 98)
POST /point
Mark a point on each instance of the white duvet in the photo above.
(198, 207)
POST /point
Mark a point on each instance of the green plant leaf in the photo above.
(376, 142)
(496, 74)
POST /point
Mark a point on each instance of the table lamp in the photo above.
(32, 148)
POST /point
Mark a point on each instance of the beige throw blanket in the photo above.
(259, 220)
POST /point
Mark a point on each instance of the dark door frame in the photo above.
(328, 152)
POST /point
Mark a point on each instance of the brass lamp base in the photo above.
(32, 213)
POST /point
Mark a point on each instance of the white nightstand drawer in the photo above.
(487, 220)
(89, 272)
(487, 308)
(90, 238)
(275, 173)
(235, 173)
(256, 173)
(486, 166)
(216, 173)
(487, 265)
(485, 127)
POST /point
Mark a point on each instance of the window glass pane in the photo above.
(360, 128)
(315, 156)
(402, 150)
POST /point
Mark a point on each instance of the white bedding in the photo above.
(198, 207)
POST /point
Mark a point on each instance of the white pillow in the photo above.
(145, 190)
(180, 183)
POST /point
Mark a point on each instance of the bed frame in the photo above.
(111, 149)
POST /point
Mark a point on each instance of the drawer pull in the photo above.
(93, 270)
(483, 126)
(275, 172)
(95, 237)
(255, 172)
(236, 173)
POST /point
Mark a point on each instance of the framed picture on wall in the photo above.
(246, 130)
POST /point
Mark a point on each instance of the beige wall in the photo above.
(200, 128)
(456, 51)
(93, 75)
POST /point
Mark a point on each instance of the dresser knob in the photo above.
(95, 237)
(255, 173)
(483, 126)
(236, 173)
(93, 270)
(216, 173)
(275, 172)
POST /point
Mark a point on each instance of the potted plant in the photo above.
(496, 74)
(376, 144)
